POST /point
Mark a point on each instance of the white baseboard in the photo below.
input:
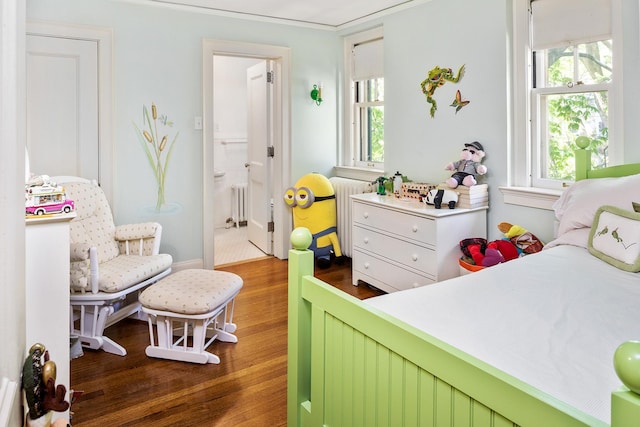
(8, 394)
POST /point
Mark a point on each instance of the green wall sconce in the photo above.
(316, 93)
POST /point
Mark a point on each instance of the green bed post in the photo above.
(583, 163)
(583, 157)
(299, 327)
(624, 408)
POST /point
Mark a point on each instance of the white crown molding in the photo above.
(262, 18)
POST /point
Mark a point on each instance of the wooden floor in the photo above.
(248, 387)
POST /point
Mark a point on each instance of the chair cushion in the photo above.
(125, 271)
(93, 222)
(192, 291)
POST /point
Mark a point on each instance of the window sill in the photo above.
(530, 197)
(362, 174)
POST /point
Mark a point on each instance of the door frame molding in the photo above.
(281, 141)
(104, 38)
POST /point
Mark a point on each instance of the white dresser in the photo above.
(47, 291)
(401, 243)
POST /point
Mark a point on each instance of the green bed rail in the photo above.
(351, 365)
(584, 171)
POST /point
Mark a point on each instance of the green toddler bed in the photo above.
(350, 364)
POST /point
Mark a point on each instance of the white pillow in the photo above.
(578, 204)
(615, 237)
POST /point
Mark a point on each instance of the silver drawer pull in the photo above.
(414, 228)
(366, 265)
(414, 257)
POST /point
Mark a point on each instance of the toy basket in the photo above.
(466, 262)
(467, 267)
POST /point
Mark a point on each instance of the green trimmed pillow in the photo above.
(615, 237)
(636, 206)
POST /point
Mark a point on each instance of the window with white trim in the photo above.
(570, 54)
(364, 110)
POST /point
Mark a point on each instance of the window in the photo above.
(570, 98)
(570, 81)
(368, 128)
(364, 112)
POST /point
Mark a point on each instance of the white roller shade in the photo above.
(558, 23)
(368, 60)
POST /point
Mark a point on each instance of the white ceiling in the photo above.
(333, 13)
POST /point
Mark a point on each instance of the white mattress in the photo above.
(553, 319)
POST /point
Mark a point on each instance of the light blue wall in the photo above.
(157, 56)
(449, 33)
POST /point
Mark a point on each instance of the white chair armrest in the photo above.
(140, 239)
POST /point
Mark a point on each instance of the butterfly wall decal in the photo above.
(458, 102)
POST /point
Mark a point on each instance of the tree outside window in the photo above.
(571, 96)
(369, 106)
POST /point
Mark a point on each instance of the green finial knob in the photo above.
(301, 238)
(583, 142)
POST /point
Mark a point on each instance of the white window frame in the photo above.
(538, 118)
(520, 189)
(349, 166)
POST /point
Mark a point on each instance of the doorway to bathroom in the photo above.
(231, 147)
(246, 109)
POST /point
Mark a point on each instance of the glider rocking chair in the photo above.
(110, 265)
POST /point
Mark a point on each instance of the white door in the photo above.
(62, 106)
(260, 137)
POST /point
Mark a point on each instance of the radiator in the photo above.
(239, 203)
(344, 187)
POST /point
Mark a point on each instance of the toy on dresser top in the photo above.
(416, 190)
(392, 185)
(462, 197)
(43, 196)
(467, 169)
(461, 189)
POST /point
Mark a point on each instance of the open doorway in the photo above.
(231, 159)
(217, 216)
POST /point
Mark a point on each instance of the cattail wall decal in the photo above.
(154, 148)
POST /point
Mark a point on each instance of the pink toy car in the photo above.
(46, 199)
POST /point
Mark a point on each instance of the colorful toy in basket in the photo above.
(468, 167)
(524, 240)
(313, 201)
(518, 242)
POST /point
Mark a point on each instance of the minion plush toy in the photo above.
(314, 207)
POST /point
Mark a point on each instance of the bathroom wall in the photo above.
(230, 130)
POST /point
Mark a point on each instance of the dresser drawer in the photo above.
(406, 253)
(405, 225)
(384, 275)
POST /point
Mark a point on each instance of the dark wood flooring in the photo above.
(248, 387)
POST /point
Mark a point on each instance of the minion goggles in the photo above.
(303, 197)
